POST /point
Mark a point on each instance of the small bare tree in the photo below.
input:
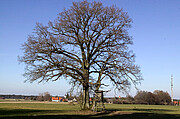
(47, 96)
(86, 44)
(40, 97)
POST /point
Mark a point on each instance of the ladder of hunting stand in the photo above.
(99, 101)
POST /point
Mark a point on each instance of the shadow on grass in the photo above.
(5, 112)
(144, 110)
(120, 116)
(109, 114)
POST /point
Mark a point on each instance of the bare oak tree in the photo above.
(86, 44)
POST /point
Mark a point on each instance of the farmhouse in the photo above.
(57, 99)
(176, 102)
(72, 100)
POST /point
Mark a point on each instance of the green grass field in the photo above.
(47, 110)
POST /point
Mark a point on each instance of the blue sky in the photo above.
(155, 31)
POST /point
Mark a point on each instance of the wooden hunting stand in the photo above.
(99, 101)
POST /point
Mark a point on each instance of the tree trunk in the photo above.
(85, 101)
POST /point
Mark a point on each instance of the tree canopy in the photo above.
(86, 44)
(158, 97)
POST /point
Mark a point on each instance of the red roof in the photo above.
(57, 98)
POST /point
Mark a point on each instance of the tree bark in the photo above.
(85, 105)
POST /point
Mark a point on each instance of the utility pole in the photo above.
(171, 88)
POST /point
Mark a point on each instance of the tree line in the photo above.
(158, 97)
(41, 97)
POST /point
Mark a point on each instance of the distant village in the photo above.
(46, 97)
(69, 98)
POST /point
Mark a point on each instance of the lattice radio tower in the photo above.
(171, 88)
